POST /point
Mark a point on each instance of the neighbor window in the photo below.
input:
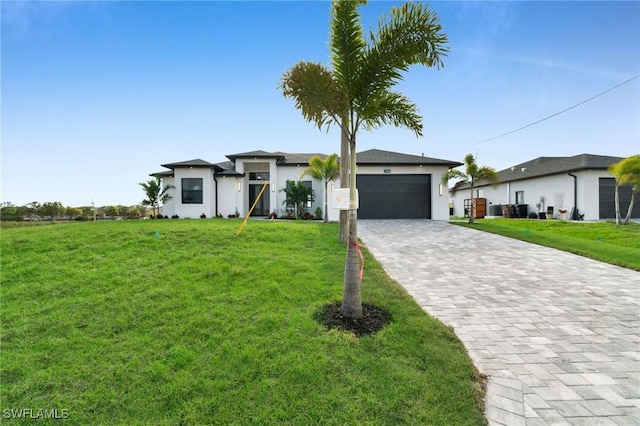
(192, 191)
(519, 197)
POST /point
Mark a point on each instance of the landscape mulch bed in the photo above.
(374, 319)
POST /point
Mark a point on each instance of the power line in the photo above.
(547, 118)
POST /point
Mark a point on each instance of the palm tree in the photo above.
(298, 194)
(626, 172)
(472, 174)
(356, 93)
(156, 193)
(325, 170)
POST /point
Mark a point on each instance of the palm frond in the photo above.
(452, 174)
(347, 43)
(391, 108)
(411, 35)
(315, 93)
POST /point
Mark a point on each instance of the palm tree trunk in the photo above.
(344, 181)
(326, 202)
(352, 296)
(633, 199)
(471, 218)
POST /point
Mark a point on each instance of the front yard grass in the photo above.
(181, 322)
(604, 241)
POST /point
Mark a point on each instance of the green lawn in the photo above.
(181, 322)
(604, 241)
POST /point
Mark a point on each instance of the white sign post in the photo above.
(341, 199)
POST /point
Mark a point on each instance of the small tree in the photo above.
(297, 195)
(357, 93)
(472, 174)
(73, 211)
(326, 170)
(51, 209)
(9, 212)
(626, 172)
(156, 193)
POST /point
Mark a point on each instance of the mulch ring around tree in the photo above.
(374, 319)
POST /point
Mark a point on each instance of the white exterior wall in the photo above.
(589, 192)
(208, 193)
(294, 173)
(228, 194)
(439, 203)
(247, 166)
(557, 191)
(169, 208)
(230, 198)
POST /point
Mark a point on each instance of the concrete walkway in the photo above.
(557, 334)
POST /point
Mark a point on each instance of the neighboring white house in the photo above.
(551, 185)
(390, 185)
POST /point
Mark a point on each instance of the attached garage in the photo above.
(394, 196)
(607, 200)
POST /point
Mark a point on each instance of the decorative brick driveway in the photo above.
(557, 334)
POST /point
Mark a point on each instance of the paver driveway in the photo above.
(557, 334)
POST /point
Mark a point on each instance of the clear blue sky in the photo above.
(96, 95)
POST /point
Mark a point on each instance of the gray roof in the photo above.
(547, 166)
(380, 157)
(370, 157)
(166, 173)
(283, 158)
(289, 159)
(193, 163)
(254, 154)
(228, 169)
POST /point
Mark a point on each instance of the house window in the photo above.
(519, 197)
(191, 190)
(259, 176)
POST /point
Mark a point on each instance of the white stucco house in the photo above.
(390, 185)
(555, 186)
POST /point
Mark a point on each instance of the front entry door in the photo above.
(262, 208)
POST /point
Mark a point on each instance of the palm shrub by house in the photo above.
(298, 194)
(325, 170)
(156, 193)
(626, 172)
(473, 174)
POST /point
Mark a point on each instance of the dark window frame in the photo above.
(191, 195)
(259, 176)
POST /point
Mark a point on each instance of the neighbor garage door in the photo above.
(607, 200)
(394, 196)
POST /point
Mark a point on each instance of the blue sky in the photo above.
(96, 95)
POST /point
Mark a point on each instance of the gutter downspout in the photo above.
(216, 186)
(575, 196)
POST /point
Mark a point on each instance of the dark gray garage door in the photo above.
(607, 197)
(394, 196)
